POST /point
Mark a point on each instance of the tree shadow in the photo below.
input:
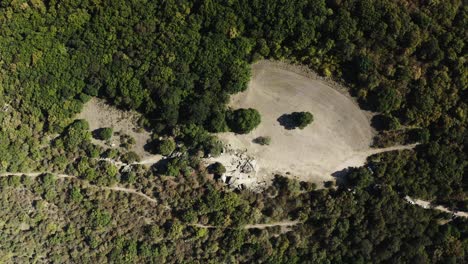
(150, 147)
(97, 133)
(341, 176)
(161, 166)
(287, 121)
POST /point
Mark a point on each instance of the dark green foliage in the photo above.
(217, 122)
(243, 121)
(217, 168)
(386, 99)
(177, 62)
(99, 218)
(76, 135)
(373, 224)
(104, 133)
(166, 146)
(302, 119)
(262, 140)
(434, 170)
(199, 140)
(130, 157)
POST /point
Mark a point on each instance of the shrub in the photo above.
(104, 133)
(130, 157)
(166, 146)
(217, 168)
(243, 121)
(262, 140)
(302, 119)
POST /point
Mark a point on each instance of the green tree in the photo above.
(217, 168)
(386, 99)
(105, 133)
(243, 121)
(302, 119)
(166, 146)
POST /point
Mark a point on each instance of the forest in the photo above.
(177, 62)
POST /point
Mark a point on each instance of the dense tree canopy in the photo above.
(177, 62)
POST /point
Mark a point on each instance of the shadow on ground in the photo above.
(340, 176)
(287, 121)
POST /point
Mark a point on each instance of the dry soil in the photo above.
(339, 137)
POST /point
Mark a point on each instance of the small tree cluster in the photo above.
(166, 146)
(302, 119)
(243, 121)
(104, 133)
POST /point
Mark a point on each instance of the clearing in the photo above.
(100, 115)
(339, 137)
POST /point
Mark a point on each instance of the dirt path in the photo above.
(128, 190)
(428, 205)
(359, 158)
(285, 223)
(150, 160)
(113, 188)
(263, 226)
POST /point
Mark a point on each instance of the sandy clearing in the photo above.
(340, 136)
(99, 115)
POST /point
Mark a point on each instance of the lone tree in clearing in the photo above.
(104, 133)
(302, 119)
(243, 121)
(296, 119)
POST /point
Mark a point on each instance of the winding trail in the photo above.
(359, 158)
(147, 161)
(63, 176)
(284, 223)
(393, 148)
(428, 205)
(128, 190)
(263, 226)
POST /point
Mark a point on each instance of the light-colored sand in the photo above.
(428, 205)
(99, 115)
(339, 137)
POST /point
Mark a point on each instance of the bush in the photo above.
(166, 146)
(130, 157)
(104, 133)
(217, 168)
(243, 121)
(302, 119)
(262, 140)
(385, 99)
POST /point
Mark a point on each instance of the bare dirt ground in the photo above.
(99, 115)
(284, 223)
(339, 137)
